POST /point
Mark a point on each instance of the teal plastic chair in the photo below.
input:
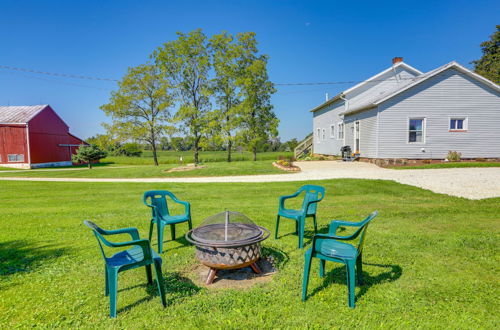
(157, 201)
(328, 248)
(313, 195)
(139, 254)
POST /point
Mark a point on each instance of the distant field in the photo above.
(173, 157)
(151, 171)
(449, 165)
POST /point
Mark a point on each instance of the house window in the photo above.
(416, 130)
(318, 134)
(332, 131)
(13, 158)
(458, 124)
(324, 134)
(341, 131)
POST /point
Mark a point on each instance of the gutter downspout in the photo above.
(346, 108)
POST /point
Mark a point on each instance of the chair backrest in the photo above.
(312, 193)
(158, 199)
(361, 232)
(98, 232)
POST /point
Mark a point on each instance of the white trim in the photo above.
(465, 124)
(318, 135)
(424, 129)
(358, 124)
(332, 131)
(28, 151)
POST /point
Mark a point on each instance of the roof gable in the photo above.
(418, 80)
(364, 86)
(19, 114)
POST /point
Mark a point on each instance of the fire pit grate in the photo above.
(227, 240)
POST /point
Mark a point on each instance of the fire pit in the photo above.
(227, 240)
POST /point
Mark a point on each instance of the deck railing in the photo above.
(304, 147)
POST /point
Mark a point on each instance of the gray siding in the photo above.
(322, 119)
(367, 132)
(449, 94)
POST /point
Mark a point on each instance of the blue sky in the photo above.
(307, 41)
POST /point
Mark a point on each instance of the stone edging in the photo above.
(288, 169)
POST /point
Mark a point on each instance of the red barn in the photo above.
(35, 136)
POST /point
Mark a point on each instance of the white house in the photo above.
(402, 113)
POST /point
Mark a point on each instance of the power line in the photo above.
(56, 74)
(64, 75)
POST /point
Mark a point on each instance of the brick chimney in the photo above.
(396, 60)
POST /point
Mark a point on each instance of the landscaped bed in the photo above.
(430, 260)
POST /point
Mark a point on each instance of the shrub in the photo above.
(426, 161)
(454, 156)
(88, 154)
(130, 149)
(286, 164)
(480, 160)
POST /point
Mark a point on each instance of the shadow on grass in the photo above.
(176, 287)
(278, 256)
(182, 240)
(24, 256)
(338, 275)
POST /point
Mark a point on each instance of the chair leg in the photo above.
(149, 274)
(359, 269)
(351, 282)
(277, 227)
(172, 229)
(159, 281)
(190, 224)
(113, 291)
(301, 233)
(296, 227)
(322, 268)
(106, 280)
(151, 225)
(307, 268)
(315, 224)
(160, 237)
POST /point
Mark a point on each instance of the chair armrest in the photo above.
(133, 232)
(335, 224)
(187, 205)
(283, 198)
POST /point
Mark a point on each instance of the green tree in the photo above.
(224, 120)
(140, 109)
(186, 61)
(88, 154)
(259, 122)
(488, 65)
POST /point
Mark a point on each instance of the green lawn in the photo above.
(431, 261)
(172, 157)
(151, 171)
(449, 165)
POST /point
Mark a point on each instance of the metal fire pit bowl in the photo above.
(227, 240)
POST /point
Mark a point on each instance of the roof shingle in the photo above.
(19, 114)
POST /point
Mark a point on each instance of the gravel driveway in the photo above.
(471, 183)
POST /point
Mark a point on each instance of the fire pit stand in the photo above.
(227, 240)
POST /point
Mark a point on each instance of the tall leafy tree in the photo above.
(140, 109)
(489, 64)
(259, 122)
(225, 119)
(186, 61)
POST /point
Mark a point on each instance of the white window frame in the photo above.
(19, 158)
(424, 125)
(332, 131)
(465, 124)
(318, 134)
(340, 131)
(323, 134)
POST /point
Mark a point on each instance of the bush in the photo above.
(88, 154)
(130, 149)
(454, 156)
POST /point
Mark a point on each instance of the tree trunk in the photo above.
(229, 146)
(254, 149)
(90, 164)
(155, 157)
(196, 142)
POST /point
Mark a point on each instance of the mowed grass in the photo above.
(449, 165)
(173, 157)
(151, 171)
(431, 261)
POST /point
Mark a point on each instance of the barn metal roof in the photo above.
(19, 114)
